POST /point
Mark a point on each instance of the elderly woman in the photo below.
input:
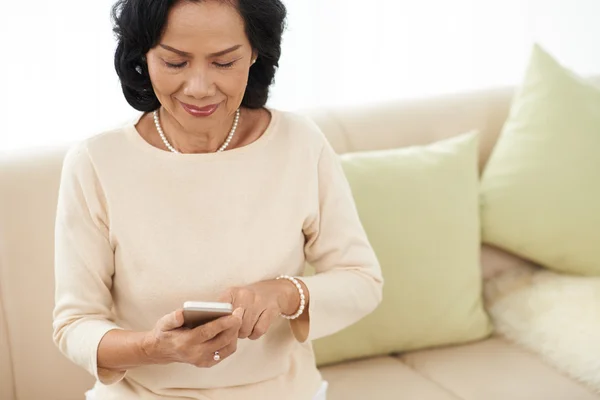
(207, 196)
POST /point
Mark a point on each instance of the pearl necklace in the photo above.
(223, 146)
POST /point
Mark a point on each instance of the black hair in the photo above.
(139, 24)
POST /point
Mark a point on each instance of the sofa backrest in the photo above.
(30, 365)
(417, 122)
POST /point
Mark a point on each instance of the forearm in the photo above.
(120, 350)
(292, 296)
(339, 298)
(300, 326)
(304, 317)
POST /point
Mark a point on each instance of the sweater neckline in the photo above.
(133, 134)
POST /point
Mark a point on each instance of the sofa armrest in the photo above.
(7, 382)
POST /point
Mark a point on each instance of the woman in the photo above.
(207, 196)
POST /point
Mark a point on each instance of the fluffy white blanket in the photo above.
(554, 315)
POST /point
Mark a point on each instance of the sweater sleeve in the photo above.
(84, 266)
(348, 283)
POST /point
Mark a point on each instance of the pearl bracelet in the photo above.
(302, 297)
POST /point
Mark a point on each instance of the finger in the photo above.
(248, 322)
(263, 324)
(211, 329)
(227, 351)
(237, 317)
(201, 354)
(226, 297)
(171, 321)
(223, 339)
(224, 343)
(242, 297)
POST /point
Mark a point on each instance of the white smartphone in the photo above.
(196, 313)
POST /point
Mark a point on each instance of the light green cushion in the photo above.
(419, 206)
(541, 188)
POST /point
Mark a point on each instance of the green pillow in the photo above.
(540, 190)
(419, 206)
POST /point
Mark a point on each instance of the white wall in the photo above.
(404, 49)
(58, 84)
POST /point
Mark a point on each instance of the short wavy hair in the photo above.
(139, 24)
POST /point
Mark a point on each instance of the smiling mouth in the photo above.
(199, 111)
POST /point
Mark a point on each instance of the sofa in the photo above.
(31, 367)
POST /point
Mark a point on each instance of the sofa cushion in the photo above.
(419, 207)
(495, 262)
(380, 378)
(495, 370)
(540, 189)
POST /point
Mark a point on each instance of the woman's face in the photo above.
(199, 69)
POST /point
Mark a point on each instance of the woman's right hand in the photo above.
(168, 342)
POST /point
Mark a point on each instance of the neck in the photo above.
(205, 141)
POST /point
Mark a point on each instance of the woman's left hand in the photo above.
(262, 303)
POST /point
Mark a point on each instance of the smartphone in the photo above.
(196, 313)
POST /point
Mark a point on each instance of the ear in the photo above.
(254, 56)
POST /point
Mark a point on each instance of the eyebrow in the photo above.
(186, 54)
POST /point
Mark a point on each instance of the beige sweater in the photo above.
(139, 231)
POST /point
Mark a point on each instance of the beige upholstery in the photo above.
(495, 370)
(6, 376)
(31, 368)
(405, 123)
(29, 187)
(496, 261)
(383, 378)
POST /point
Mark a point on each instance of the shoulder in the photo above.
(300, 129)
(82, 155)
(300, 123)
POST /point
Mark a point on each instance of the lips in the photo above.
(200, 111)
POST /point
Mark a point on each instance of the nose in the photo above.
(199, 85)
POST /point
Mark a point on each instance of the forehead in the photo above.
(204, 26)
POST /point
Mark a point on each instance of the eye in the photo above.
(224, 66)
(176, 66)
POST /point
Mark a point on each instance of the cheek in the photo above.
(163, 82)
(233, 84)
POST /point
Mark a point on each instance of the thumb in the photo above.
(238, 313)
(226, 297)
(171, 321)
